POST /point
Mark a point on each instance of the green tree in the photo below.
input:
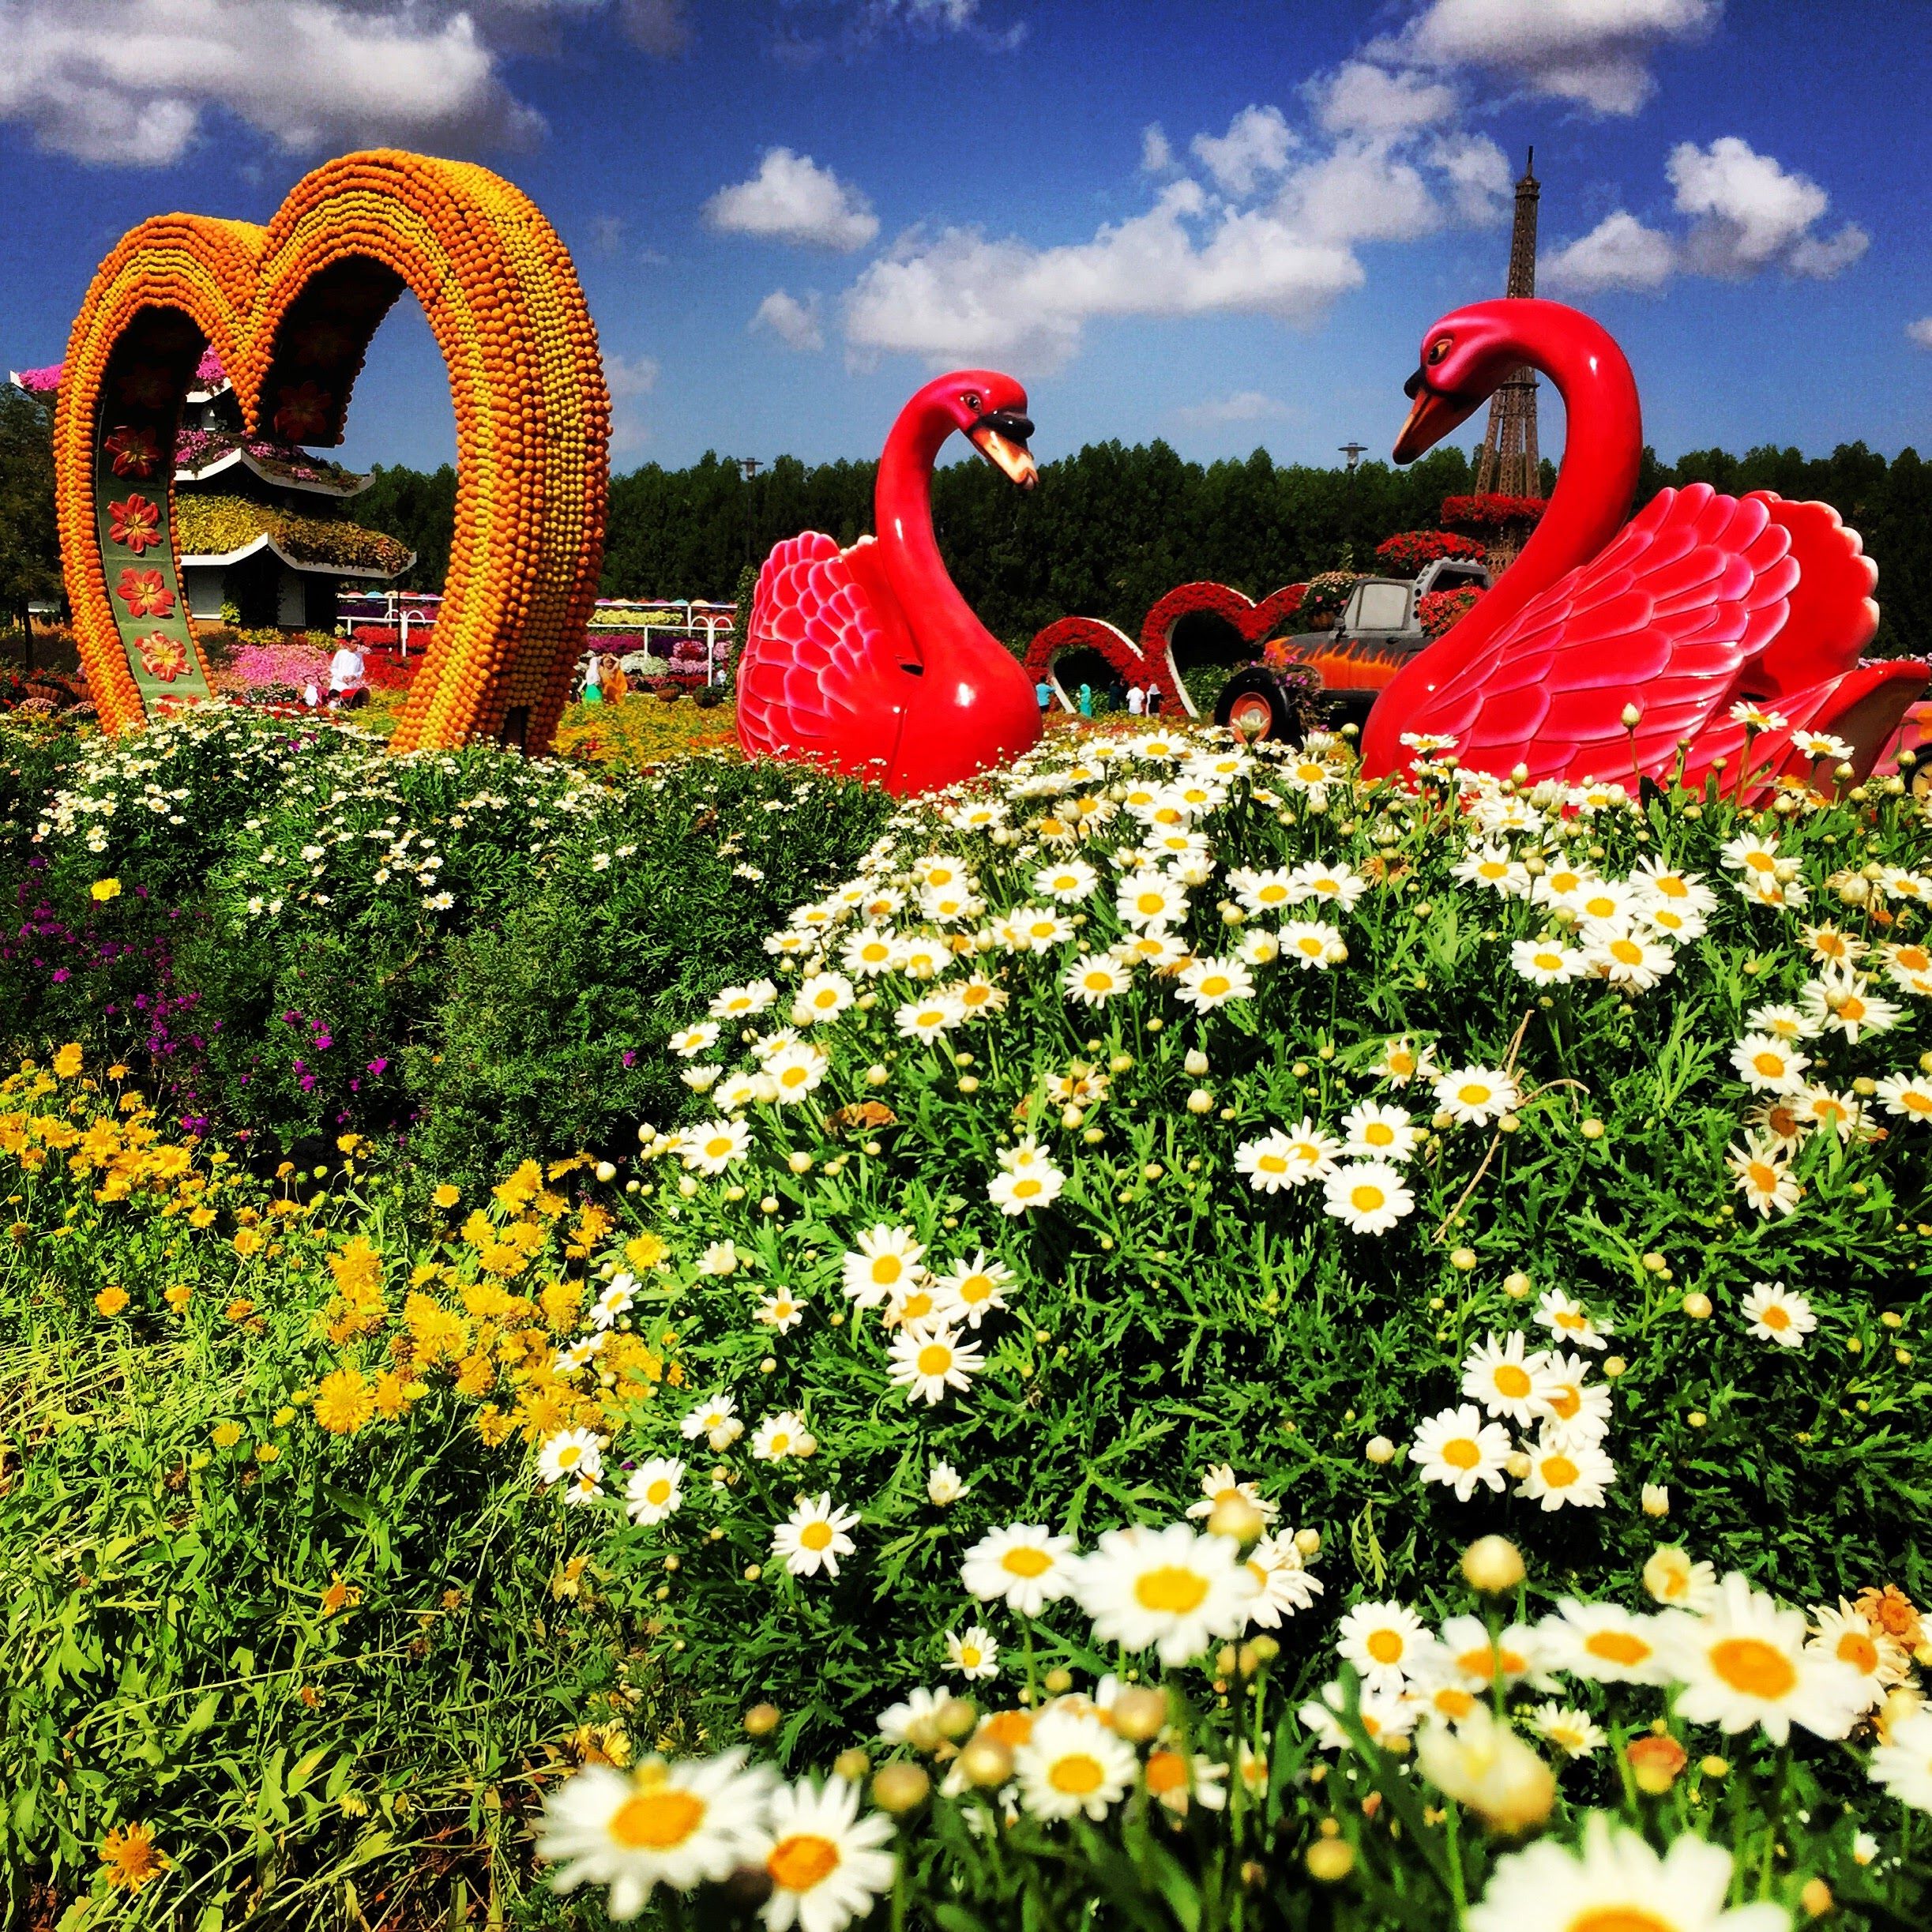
(29, 546)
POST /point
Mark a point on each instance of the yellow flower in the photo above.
(247, 1242)
(128, 1853)
(493, 1425)
(67, 1061)
(561, 1303)
(240, 1309)
(110, 1301)
(446, 1195)
(393, 1395)
(521, 1188)
(644, 1252)
(267, 1452)
(118, 1071)
(338, 1596)
(344, 1402)
(282, 1417)
(104, 889)
(177, 1295)
(227, 1434)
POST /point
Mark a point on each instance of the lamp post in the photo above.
(751, 465)
(1355, 453)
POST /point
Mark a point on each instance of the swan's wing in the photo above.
(1667, 615)
(813, 678)
(1833, 616)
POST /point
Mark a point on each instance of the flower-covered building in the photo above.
(265, 540)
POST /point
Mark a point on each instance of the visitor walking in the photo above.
(1137, 700)
(616, 686)
(1043, 691)
(1086, 700)
(593, 679)
(1153, 700)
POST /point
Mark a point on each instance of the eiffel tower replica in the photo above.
(1509, 464)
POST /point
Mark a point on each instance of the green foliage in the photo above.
(419, 507)
(29, 545)
(310, 935)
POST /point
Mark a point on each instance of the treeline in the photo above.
(1111, 528)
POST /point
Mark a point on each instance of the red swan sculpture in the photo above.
(868, 659)
(1701, 603)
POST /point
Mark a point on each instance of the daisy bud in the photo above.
(1715, 1767)
(1631, 717)
(957, 1718)
(606, 1172)
(1696, 1418)
(1264, 1647)
(1120, 1063)
(900, 1787)
(923, 1734)
(1817, 1896)
(762, 1720)
(876, 1076)
(1139, 1714)
(1520, 773)
(1517, 1286)
(754, 1572)
(1201, 1101)
(1656, 1762)
(1518, 1465)
(1196, 1062)
(687, 1187)
(1093, 1136)
(799, 1163)
(1656, 1499)
(1493, 1565)
(1329, 1860)
(851, 1765)
(1697, 1306)
(1058, 1680)
(1593, 1129)
(968, 1084)
(632, 1186)
(1379, 1449)
(1237, 1519)
(987, 1763)
(1614, 1367)
(1308, 1542)
(1462, 1260)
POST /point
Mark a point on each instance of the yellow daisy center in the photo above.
(1078, 1774)
(934, 1359)
(1757, 1669)
(655, 1821)
(1171, 1587)
(1385, 1646)
(1512, 1381)
(1026, 1561)
(802, 1861)
(816, 1536)
(1619, 1647)
(1462, 1453)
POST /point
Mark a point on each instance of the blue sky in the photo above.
(1224, 223)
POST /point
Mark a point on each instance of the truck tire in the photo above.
(1254, 700)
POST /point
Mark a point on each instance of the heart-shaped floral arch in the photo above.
(290, 309)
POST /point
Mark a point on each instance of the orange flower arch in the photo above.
(289, 309)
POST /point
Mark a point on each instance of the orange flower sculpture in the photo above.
(290, 308)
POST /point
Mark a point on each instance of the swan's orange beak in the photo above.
(1434, 414)
(1000, 438)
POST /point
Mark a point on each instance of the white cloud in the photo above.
(1243, 406)
(1479, 176)
(1618, 252)
(1362, 98)
(1753, 215)
(1920, 332)
(1748, 214)
(130, 82)
(1594, 52)
(792, 199)
(795, 323)
(1257, 143)
(1156, 155)
(630, 379)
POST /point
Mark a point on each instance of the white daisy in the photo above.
(884, 1259)
(1507, 1381)
(1221, 1485)
(655, 1489)
(1283, 1583)
(1385, 1642)
(1774, 1313)
(1206, 984)
(1073, 1765)
(1170, 1589)
(743, 1002)
(796, 1071)
(568, 1454)
(1567, 1318)
(1372, 1130)
(1457, 1449)
(1476, 1094)
(1367, 1197)
(1095, 978)
(1605, 1644)
(783, 1309)
(1903, 1764)
(968, 1291)
(1572, 1474)
(1024, 1565)
(813, 1537)
(1313, 944)
(1149, 900)
(822, 996)
(973, 1652)
(713, 1146)
(1743, 1662)
(782, 1435)
(1546, 962)
(675, 1825)
(693, 1040)
(929, 1359)
(827, 1864)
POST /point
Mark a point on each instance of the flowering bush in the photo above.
(1490, 514)
(1436, 609)
(210, 523)
(1326, 596)
(1410, 553)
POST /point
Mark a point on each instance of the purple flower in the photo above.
(378, 1066)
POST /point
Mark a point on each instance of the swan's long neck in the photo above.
(1603, 448)
(941, 619)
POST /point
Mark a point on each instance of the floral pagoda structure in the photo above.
(266, 542)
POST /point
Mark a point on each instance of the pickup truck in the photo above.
(1380, 630)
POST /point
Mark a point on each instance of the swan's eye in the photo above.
(1439, 348)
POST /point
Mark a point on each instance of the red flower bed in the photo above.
(1491, 513)
(1409, 553)
(1439, 609)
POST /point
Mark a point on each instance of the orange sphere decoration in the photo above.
(289, 309)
